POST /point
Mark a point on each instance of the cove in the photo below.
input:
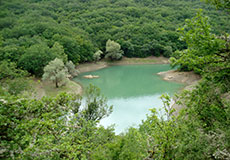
(132, 90)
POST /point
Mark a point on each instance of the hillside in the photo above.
(81, 27)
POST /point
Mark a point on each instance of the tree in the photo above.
(97, 55)
(58, 50)
(167, 51)
(223, 4)
(9, 70)
(96, 107)
(13, 80)
(113, 50)
(71, 69)
(203, 46)
(36, 58)
(56, 72)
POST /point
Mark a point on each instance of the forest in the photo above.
(35, 32)
(43, 28)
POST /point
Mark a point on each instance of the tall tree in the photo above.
(58, 50)
(56, 72)
(113, 50)
(96, 106)
(36, 58)
(203, 46)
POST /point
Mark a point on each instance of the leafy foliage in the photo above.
(204, 48)
(58, 50)
(49, 128)
(8, 70)
(36, 58)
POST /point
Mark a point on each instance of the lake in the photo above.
(132, 90)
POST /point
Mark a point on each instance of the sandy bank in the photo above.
(181, 77)
(87, 67)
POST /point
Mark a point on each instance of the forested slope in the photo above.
(30, 28)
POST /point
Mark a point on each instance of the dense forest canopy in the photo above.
(30, 28)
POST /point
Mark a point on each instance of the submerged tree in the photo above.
(96, 106)
(113, 50)
(56, 72)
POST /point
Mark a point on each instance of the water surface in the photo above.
(132, 90)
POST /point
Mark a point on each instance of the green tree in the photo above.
(56, 72)
(58, 50)
(13, 80)
(71, 69)
(161, 132)
(203, 46)
(97, 55)
(9, 70)
(167, 51)
(113, 50)
(36, 58)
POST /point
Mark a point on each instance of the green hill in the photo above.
(142, 28)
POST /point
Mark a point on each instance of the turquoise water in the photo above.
(132, 90)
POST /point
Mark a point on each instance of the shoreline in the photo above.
(187, 78)
(92, 66)
(190, 79)
(47, 88)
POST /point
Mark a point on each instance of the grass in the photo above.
(70, 87)
(49, 89)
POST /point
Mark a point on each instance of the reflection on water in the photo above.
(132, 90)
(131, 111)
